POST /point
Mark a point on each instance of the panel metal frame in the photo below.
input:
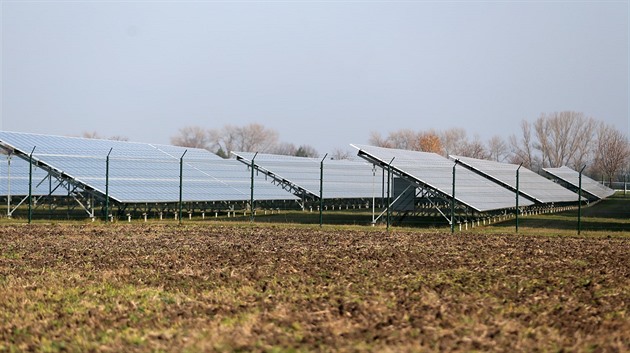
(464, 163)
(424, 191)
(279, 180)
(308, 197)
(553, 173)
(78, 191)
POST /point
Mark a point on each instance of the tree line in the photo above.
(556, 139)
(552, 140)
(574, 140)
(249, 138)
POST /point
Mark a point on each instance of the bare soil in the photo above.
(234, 288)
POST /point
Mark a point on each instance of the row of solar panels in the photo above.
(136, 172)
(140, 172)
(486, 185)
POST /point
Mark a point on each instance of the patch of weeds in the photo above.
(585, 282)
(132, 336)
(296, 331)
(52, 346)
(239, 319)
(167, 299)
(11, 255)
(579, 263)
(277, 349)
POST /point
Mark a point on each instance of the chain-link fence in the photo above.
(133, 188)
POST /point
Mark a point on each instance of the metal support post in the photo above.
(321, 190)
(50, 191)
(9, 185)
(251, 200)
(580, 201)
(453, 200)
(373, 196)
(30, 186)
(383, 185)
(517, 210)
(107, 185)
(389, 178)
(181, 184)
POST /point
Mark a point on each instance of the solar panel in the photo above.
(589, 185)
(191, 153)
(14, 179)
(531, 184)
(46, 145)
(140, 172)
(436, 172)
(343, 179)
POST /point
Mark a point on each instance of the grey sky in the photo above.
(320, 73)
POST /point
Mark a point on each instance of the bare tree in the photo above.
(306, 151)
(564, 138)
(612, 152)
(285, 149)
(377, 140)
(256, 138)
(541, 127)
(523, 148)
(454, 141)
(97, 136)
(249, 138)
(91, 135)
(404, 139)
(474, 149)
(192, 136)
(497, 149)
(339, 153)
(221, 140)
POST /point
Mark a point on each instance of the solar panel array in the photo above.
(141, 172)
(589, 185)
(436, 172)
(343, 179)
(531, 184)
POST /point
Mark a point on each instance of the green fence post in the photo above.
(517, 210)
(107, 185)
(321, 190)
(251, 200)
(30, 186)
(453, 200)
(181, 184)
(580, 201)
(9, 185)
(389, 178)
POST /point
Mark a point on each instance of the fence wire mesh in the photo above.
(140, 189)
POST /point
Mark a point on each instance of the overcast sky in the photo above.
(322, 73)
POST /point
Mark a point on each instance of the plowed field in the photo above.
(146, 288)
